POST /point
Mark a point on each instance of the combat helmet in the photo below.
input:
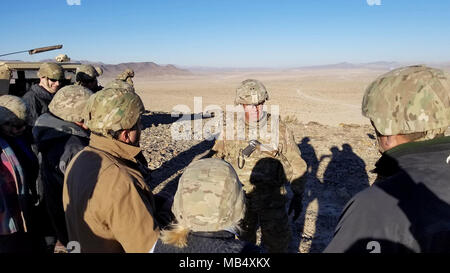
(408, 100)
(251, 92)
(121, 85)
(69, 102)
(12, 109)
(87, 72)
(112, 109)
(209, 196)
(125, 74)
(51, 71)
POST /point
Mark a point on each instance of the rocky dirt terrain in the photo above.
(339, 160)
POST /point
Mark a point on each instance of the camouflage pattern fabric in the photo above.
(408, 100)
(251, 92)
(264, 175)
(5, 72)
(51, 71)
(126, 76)
(209, 196)
(61, 58)
(120, 84)
(112, 109)
(69, 102)
(12, 109)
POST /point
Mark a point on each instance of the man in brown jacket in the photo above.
(108, 205)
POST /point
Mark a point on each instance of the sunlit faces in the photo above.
(253, 113)
(51, 85)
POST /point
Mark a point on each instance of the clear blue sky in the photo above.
(229, 33)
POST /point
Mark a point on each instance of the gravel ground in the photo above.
(339, 162)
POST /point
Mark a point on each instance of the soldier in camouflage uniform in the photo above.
(407, 209)
(208, 205)
(86, 76)
(108, 206)
(264, 163)
(59, 136)
(126, 76)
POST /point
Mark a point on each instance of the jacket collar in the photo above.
(41, 92)
(115, 147)
(394, 159)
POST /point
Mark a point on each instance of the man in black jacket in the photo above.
(60, 135)
(408, 207)
(39, 95)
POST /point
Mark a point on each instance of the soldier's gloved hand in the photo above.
(296, 206)
(163, 210)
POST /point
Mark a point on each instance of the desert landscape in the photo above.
(324, 106)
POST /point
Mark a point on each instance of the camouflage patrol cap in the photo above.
(86, 72)
(120, 84)
(251, 92)
(209, 196)
(12, 108)
(112, 109)
(408, 100)
(69, 102)
(51, 71)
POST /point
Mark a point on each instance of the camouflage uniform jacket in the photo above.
(287, 153)
(108, 205)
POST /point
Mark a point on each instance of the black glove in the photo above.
(163, 212)
(296, 206)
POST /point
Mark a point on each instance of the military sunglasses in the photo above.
(55, 80)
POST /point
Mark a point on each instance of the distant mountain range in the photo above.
(375, 65)
(150, 69)
(141, 69)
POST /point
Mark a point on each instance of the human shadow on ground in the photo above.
(157, 118)
(345, 175)
(177, 163)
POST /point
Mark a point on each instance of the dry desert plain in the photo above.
(328, 97)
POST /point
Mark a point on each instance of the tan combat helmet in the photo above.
(69, 102)
(112, 109)
(209, 196)
(409, 100)
(120, 84)
(87, 72)
(12, 109)
(251, 92)
(62, 58)
(51, 71)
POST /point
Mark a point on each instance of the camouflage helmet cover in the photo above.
(125, 74)
(51, 70)
(86, 72)
(5, 72)
(61, 58)
(408, 100)
(12, 108)
(69, 102)
(120, 84)
(112, 109)
(251, 92)
(209, 196)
